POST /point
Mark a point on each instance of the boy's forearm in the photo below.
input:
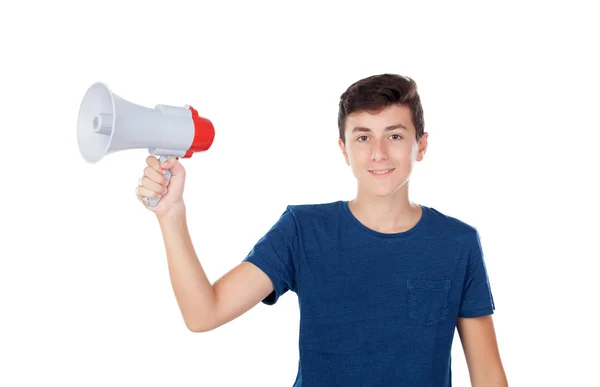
(193, 291)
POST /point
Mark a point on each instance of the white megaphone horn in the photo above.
(108, 123)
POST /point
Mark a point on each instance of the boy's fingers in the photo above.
(146, 182)
(152, 162)
(169, 163)
(157, 176)
(142, 192)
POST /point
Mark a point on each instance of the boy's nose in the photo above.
(379, 152)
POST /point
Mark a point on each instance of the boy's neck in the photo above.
(387, 215)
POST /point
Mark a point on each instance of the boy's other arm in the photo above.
(203, 306)
(480, 346)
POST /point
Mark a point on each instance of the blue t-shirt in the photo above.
(375, 309)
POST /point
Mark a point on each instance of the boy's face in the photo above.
(380, 152)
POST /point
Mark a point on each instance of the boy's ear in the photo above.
(422, 146)
(343, 148)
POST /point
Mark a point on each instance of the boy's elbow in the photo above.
(200, 326)
(198, 330)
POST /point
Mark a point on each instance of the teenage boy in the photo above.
(382, 281)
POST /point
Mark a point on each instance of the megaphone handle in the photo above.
(154, 202)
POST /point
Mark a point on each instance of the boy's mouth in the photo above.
(381, 172)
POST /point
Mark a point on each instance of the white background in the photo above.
(510, 95)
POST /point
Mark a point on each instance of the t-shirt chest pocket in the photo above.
(428, 300)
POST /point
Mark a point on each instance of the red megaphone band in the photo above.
(204, 134)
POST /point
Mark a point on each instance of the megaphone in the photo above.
(108, 123)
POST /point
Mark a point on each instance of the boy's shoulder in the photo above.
(445, 221)
(315, 209)
(319, 215)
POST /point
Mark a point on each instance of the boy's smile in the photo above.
(381, 172)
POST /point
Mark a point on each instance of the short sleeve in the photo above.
(274, 255)
(477, 299)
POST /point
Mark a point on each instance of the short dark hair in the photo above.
(377, 92)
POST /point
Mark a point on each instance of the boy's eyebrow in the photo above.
(391, 127)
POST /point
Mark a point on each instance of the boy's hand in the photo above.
(154, 182)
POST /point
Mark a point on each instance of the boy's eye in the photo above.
(362, 138)
(396, 136)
